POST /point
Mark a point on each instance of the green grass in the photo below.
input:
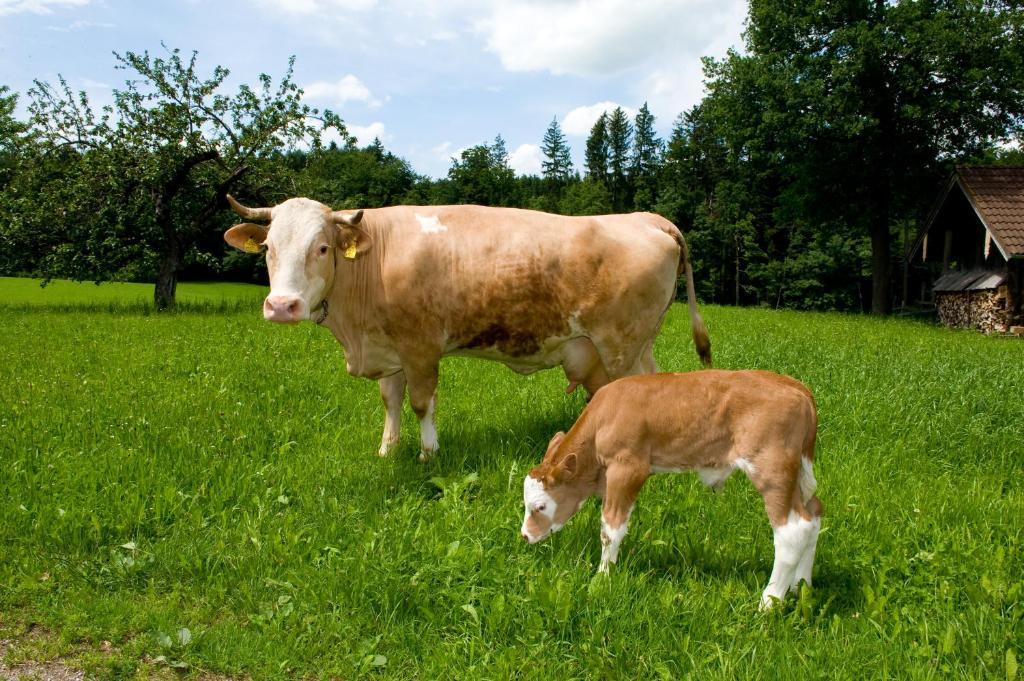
(61, 295)
(215, 473)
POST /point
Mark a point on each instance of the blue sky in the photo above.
(430, 78)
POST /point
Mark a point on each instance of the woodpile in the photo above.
(983, 310)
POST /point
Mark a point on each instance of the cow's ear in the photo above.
(556, 440)
(353, 241)
(247, 237)
(567, 467)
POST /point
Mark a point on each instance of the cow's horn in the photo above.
(248, 213)
(350, 219)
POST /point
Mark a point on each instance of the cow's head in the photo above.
(552, 494)
(302, 241)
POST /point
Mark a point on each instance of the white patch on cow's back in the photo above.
(430, 224)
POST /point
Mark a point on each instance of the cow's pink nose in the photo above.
(526, 537)
(282, 309)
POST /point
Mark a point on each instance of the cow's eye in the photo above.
(323, 250)
(542, 507)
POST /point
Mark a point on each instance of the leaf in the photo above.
(184, 636)
(130, 546)
(472, 613)
(378, 661)
(1011, 664)
(163, 640)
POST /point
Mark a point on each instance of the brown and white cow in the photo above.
(402, 287)
(711, 422)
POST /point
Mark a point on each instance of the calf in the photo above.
(712, 422)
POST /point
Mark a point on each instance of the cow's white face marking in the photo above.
(541, 506)
(431, 224)
(300, 252)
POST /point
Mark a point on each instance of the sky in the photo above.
(430, 78)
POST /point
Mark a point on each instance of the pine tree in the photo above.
(557, 163)
(620, 134)
(647, 152)
(597, 150)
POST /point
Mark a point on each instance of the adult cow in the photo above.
(402, 287)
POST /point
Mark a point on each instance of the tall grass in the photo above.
(202, 490)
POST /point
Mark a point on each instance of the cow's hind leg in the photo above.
(392, 391)
(795, 535)
(423, 398)
(583, 366)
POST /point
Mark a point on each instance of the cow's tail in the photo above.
(700, 331)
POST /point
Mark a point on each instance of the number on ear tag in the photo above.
(350, 252)
(250, 246)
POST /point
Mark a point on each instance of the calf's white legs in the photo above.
(795, 541)
(392, 391)
(611, 538)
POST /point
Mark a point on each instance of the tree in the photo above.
(156, 165)
(646, 159)
(557, 164)
(860, 108)
(596, 155)
(481, 175)
(620, 137)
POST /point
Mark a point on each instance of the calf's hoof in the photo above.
(426, 455)
(387, 447)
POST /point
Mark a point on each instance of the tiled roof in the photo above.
(997, 193)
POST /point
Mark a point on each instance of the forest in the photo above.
(799, 179)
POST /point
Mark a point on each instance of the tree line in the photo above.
(798, 179)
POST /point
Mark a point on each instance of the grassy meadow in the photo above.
(198, 493)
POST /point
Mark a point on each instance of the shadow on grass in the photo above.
(836, 585)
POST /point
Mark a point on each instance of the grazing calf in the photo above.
(712, 422)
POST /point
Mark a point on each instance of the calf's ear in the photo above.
(567, 468)
(556, 439)
(247, 237)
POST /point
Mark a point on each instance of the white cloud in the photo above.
(525, 160)
(348, 89)
(320, 6)
(364, 134)
(37, 6)
(580, 120)
(79, 25)
(601, 37)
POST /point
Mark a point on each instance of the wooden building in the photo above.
(968, 259)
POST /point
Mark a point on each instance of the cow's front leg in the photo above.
(392, 391)
(423, 398)
(623, 483)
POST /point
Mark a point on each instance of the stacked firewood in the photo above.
(983, 310)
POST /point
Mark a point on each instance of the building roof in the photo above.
(973, 280)
(996, 193)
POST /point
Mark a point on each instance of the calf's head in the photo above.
(302, 241)
(551, 493)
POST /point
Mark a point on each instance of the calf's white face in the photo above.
(303, 240)
(550, 495)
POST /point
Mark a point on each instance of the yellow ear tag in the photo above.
(251, 246)
(350, 252)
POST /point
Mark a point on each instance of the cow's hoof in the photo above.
(386, 448)
(426, 455)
